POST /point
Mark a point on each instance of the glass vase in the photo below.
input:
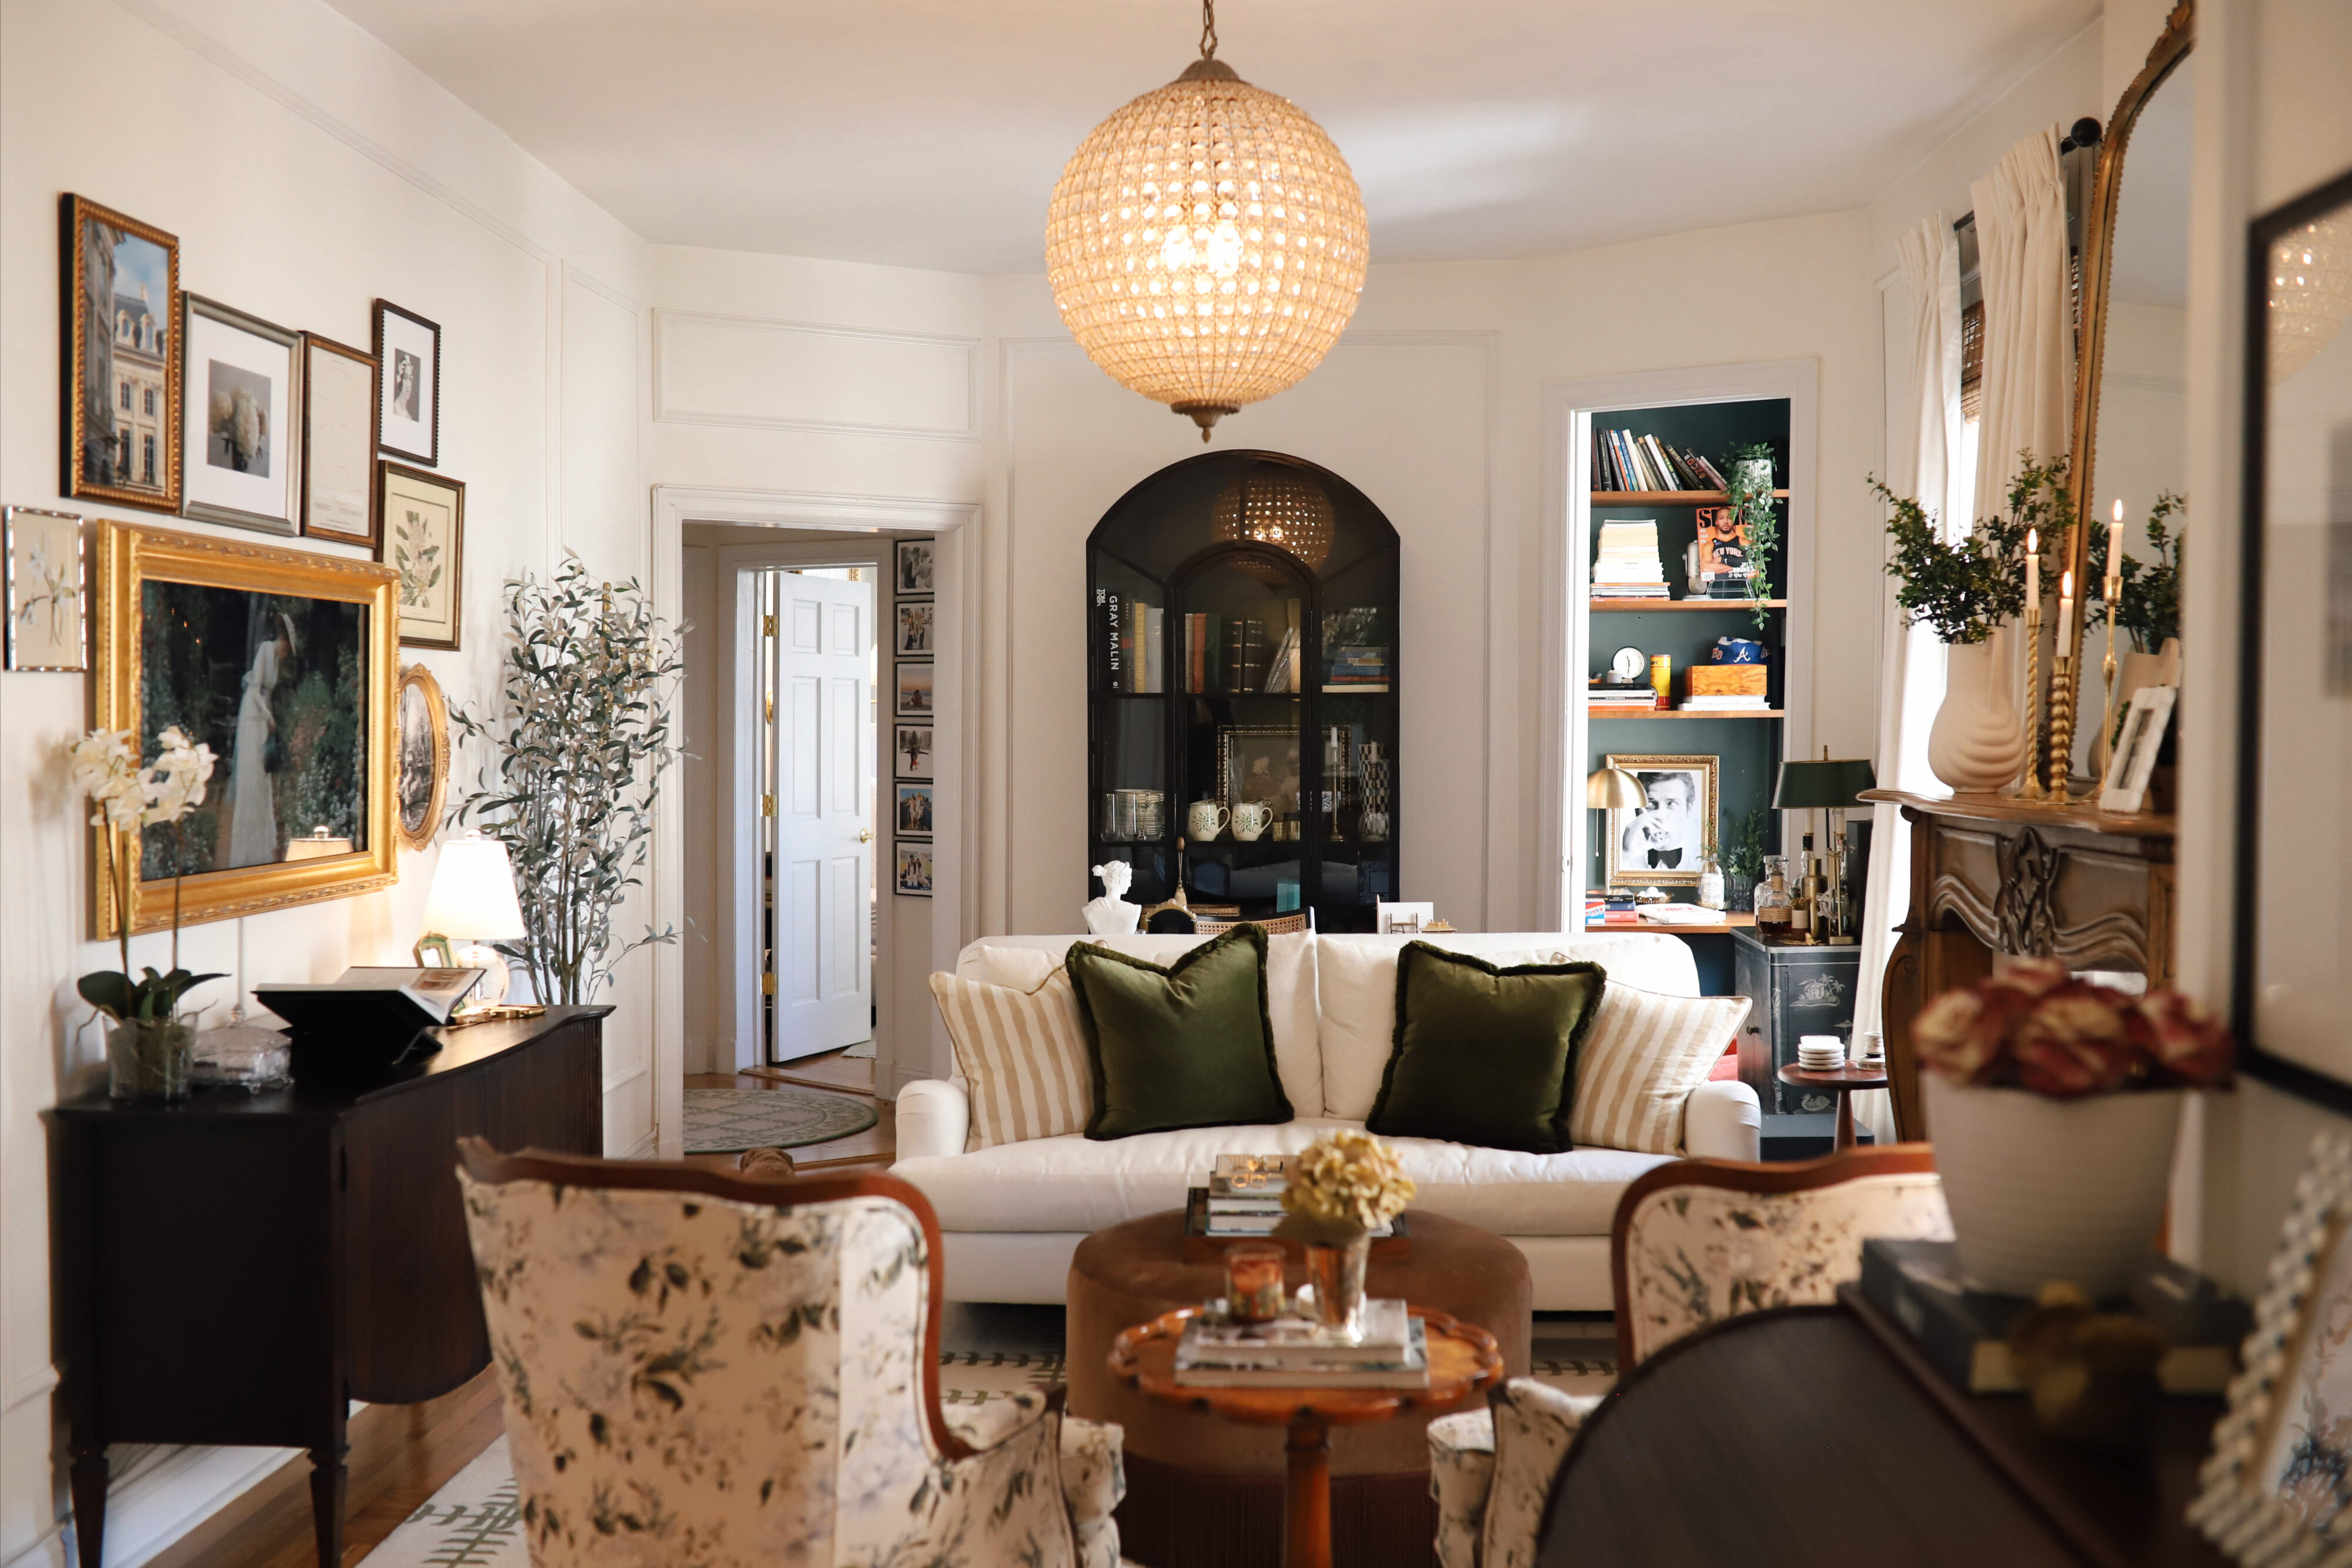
(1336, 1276)
(150, 1059)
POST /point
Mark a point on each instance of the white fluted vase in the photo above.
(2043, 1189)
(1977, 742)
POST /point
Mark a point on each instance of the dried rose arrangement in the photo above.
(1341, 1185)
(2035, 1026)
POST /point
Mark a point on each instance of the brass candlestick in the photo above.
(2032, 791)
(2061, 727)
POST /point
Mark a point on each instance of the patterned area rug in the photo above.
(722, 1121)
(475, 1522)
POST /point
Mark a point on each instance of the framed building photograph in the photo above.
(914, 698)
(47, 621)
(912, 875)
(1665, 844)
(910, 750)
(422, 520)
(408, 382)
(240, 393)
(1260, 763)
(282, 661)
(916, 561)
(914, 810)
(915, 622)
(120, 333)
(421, 724)
(338, 442)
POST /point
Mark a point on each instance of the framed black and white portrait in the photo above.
(912, 875)
(408, 376)
(910, 750)
(914, 692)
(914, 810)
(915, 623)
(240, 396)
(1666, 843)
(916, 561)
(121, 342)
(338, 443)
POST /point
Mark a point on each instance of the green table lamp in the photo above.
(1827, 785)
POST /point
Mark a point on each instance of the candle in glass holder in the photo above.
(1254, 1291)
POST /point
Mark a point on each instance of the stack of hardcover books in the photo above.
(1391, 1351)
(1628, 566)
(1243, 1196)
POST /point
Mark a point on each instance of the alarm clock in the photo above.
(1629, 667)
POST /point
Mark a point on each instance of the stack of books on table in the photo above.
(1628, 566)
(1391, 1351)
(1727, 704)
(1243, 1196)
(1605, 701)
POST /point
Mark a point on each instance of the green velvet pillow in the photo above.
(1483, 1055)
(1191, 1045)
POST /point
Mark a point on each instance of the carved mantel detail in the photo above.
(2020, 906)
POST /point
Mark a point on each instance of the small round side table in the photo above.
(1463, 1360)
(1842, 1082)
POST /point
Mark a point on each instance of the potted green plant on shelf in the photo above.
(1341, 1188)
(151, 1049)
(1967, 589)
(2054, 1103)
(1747, 493)
(578, 747)
(1743, 858)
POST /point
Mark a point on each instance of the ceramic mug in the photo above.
(1206, 819)
(1252, 818)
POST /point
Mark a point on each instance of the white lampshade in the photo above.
(473, 893)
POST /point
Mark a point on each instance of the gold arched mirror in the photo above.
(2130, 412)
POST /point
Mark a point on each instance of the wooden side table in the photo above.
(1842, 1082)
(1463, 1360)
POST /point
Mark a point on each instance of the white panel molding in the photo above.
(671, 407)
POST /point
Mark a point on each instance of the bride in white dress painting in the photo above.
(253, 821)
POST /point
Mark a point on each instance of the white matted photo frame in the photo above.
(1666, 843)
(421, 520)
(121, 337)
(240, 400)
(2275, 1489)
(408, 381)
(917, 566)
(912, 813)
(339, 419)
(2138, 742)
(46, 574)
(911, 873)
(916, 621)
(910, 750)
(914, 695)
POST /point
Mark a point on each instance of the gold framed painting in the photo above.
(423, 723)
(284, 662)
(421, 527)
(1666, 843)
(122, 351)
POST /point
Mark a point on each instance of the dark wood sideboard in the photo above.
(237, 1269)
(1990, 874)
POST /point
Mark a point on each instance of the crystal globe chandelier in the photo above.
(1206, 242)
(2310, 293)
(1273, 505)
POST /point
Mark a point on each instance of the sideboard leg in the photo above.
(327, 1476)
(88, 1484)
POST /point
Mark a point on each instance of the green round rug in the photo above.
(726, 1121)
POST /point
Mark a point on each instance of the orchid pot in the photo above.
(150, 1058)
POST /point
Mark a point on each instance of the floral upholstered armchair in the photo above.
(1694, 1242)
(700, 1368)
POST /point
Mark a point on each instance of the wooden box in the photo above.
(1728, 680)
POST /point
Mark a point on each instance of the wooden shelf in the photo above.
(1666, 497)
(1731, 921)
(1677, 713)
(1667, 606)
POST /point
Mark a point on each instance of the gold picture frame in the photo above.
(1689, 843)
(122, 356)
(422, 765)
(131, 559)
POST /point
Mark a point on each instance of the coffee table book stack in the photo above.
(1391, 1349)
(1243, 1201)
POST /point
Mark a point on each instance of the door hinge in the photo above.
(766, 805)
(768, 984)
(767, 625)
(771, 710)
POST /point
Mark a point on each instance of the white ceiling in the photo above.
(929, 132)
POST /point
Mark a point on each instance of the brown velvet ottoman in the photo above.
(1206, 1493)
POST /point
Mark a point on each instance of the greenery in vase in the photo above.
(1749, 495)
(2150, 599)
(1342, 1186)
(1743, 851)
(577, 752)
(1969, 588)
(128, 799)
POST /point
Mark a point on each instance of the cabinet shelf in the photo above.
(1667, 498)
(1674, 606)
(1677, 713)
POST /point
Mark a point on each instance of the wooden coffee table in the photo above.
(1842, 1082)
(1463, 1360)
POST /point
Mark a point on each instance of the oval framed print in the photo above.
(421, 731)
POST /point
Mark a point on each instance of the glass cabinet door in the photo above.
(1240, 732)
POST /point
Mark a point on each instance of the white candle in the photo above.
(2116, 552)
(2066, 601)
(2032, 567)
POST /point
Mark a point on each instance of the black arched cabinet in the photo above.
(1242, 658)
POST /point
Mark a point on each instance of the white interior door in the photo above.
(823, 771)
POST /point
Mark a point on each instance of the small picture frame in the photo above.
(916, 621)
(915, 697)
(2138, 741)
(917, 567)
(1402, 919)
(46, 582)
(408, 384)
(910, 750)
(240, 399)
(420, 741)
(913, 814)
(122, 346)
(1666, 843)
(432, 952)
(421, 519)
(2273, 1491)
(911, 876)
(338, 421)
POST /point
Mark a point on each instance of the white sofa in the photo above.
(1011, 1216)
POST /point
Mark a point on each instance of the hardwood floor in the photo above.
(401, 1454)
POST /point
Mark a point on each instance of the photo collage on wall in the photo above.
(914, 638)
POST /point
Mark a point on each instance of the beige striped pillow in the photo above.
(1644, 1055)
(1023, 1055)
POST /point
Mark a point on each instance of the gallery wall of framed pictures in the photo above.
(914, 609)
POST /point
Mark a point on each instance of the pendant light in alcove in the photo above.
(1278, 505)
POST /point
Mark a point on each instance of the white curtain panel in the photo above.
(1931, 465)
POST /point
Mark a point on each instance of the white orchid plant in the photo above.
(126, 799)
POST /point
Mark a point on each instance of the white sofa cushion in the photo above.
(1639, 1062)
(1022, 1053)
(1074, 1185)
(1290, 990)
(1357, 979)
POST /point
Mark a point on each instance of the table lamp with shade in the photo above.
(1829, 784)
(473, 898)
(1609, 787)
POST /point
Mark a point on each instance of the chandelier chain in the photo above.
(1208, 29)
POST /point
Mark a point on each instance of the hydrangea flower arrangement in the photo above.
(2035, 1026)
(1344, 1186)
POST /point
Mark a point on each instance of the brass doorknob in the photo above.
(866, 837)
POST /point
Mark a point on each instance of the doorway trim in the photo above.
(957, 573)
